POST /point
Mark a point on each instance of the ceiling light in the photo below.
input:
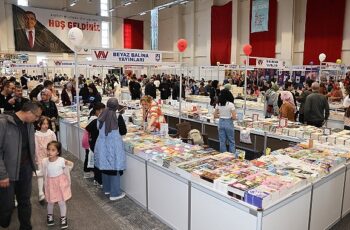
(184, 2)
(128, 3)
(73, 3)
(142, 13)
(111, 10)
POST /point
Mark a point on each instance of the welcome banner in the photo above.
(41, 30)
(260, 16)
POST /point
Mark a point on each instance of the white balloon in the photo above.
(322, 57)
(75, 36)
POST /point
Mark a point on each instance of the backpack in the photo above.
(196, 136)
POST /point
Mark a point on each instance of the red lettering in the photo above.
(51, 23)
(101, 54)
(70, 25)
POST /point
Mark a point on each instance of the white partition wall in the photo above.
(168, 196)
(346, 199)
(209, 212)
(327, 201)
(133, 181)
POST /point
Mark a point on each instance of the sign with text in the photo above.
(43, 30)
(127, 57)
(270, 63)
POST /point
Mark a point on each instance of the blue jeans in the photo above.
(226, 134)
(111, 184)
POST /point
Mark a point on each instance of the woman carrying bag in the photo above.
(109, 149)
(226, 113)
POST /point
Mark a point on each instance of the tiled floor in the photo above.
(90, 209)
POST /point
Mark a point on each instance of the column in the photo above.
(285, 14)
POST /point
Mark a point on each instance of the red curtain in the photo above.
(324, 30)
(221, 34)
(133, 34)
(264, 43)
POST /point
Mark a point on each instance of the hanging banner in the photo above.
(126, 57)
(41, 30)
(154, 29)
(270, 63)
(260, 16)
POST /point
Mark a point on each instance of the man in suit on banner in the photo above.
(31, 38)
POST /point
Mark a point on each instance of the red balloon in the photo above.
(182, 44)
(247, 49)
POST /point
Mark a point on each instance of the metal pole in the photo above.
(180, 93)
(319, 73)
(245, 83)
(77, 93)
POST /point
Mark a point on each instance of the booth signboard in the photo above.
(16, 65)
(270, 63)
(127, 56)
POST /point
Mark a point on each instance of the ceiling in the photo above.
(92, 7)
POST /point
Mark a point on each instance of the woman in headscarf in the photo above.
(152, 114)
(288, 108)
(109, 149)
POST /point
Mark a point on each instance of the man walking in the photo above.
(17, 155)
(316, 108)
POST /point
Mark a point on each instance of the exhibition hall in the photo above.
(175, 114)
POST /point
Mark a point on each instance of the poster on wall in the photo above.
(260, 16)
(41, 30)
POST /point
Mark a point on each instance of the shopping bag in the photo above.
(91, 160)
(85, 140)
(245, 136)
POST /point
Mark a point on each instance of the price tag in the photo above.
(255, 117)
(283, 122)
(268, 151)
(327, 131)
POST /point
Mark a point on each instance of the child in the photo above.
(93, 131)
(43, 136)
(57, 182)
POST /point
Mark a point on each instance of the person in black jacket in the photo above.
(151, 89)
(135, 89)
(84, 93)
(214, 93)
(50, 108)
(6, 100)
(93, 131)
(34, 93)
(94, 95)
(19, 99)
(164, 89)
(68, 94)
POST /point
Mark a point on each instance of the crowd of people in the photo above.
(28, 129)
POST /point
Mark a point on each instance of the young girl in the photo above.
(57, 182)
(43, 136)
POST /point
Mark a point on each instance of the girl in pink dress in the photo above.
(43, 136)
(56, 172)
